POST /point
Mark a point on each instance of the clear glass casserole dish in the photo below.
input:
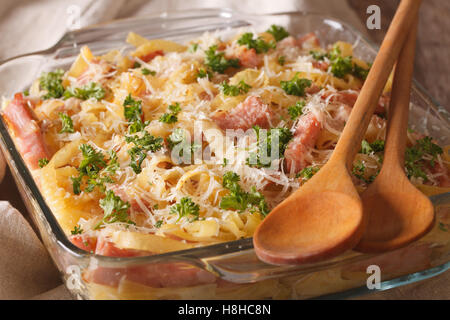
(228, 270)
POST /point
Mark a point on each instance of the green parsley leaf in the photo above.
(186, 207)
(368, 148)
(203, 73)
(307, 173)
(317, 55)
(67, 124)
(281, 60)
(146, 72)
(414, 157)
(91, 90)
(51, 82)
(133, 113)
(278, 32)
(258, 44)
(142, 145)
(76, 230)
(193, 47)
(217, 61)
(296, 86)
(231, 90)
(158, 224)
(283, 135)
(96, 168)
(43, 162)
(172, 116)
(136, 65)
(296, 110)
(115, 210)
(240, 200)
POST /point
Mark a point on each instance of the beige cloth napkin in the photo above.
(26, 271)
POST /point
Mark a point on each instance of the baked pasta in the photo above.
(171, 146)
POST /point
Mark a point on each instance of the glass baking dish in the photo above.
(228, 270)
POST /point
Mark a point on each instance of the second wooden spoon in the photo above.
(398, 212)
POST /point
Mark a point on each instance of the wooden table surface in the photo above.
(432, 71)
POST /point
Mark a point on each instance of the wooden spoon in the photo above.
(398, 213)
(325, 216)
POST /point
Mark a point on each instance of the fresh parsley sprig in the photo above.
(296, 110)
(234, 90)
(51, 82)
(88, 91)
(296, 86)
(240, 200)
(217, 62)
(185, 208)
(283, 135)
(259, 44)
(171, 117)
(278, 32)
(142, 145)
(67, 124)
(115, 210)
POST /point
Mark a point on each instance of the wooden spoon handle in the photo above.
(394, 154)
(350, 141)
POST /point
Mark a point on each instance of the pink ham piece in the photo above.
(308, 41)
(305, 137)
(28, 136)
(248, 58)
(349, 98)
(156, 275)
(252, 111)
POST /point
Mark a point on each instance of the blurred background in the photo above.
(30, 25)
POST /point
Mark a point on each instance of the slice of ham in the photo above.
(156, 275)
(307, 42)
(305, 137)
(248, 58)
(349, 97)
(150, 56)
(252, 111)
(27, 133)
(443, 177)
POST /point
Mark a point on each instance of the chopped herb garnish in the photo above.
(369, 148)
(76, 230)
(203, 73)
(240, 200)
(133, 114)
(136, 65)
(193, 47)
(51, 82)
(142, 145)
(146, 72)
(91, 90)
(414, 157)
(296, 110)
(115, 210)
(443, 227)
(258, 44)
(26, 93)
(186, 207)
(225, 162)
(172, 116)
(217, 61)
(158, 224)
(231, 90)
(278, 32)
(283, 135)
(96, 168)
(179, 138)
(281, 60)
(296, 86)
(341, 66)
(307, 173)
(43, 162)
(359, 171)
(67, 124)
